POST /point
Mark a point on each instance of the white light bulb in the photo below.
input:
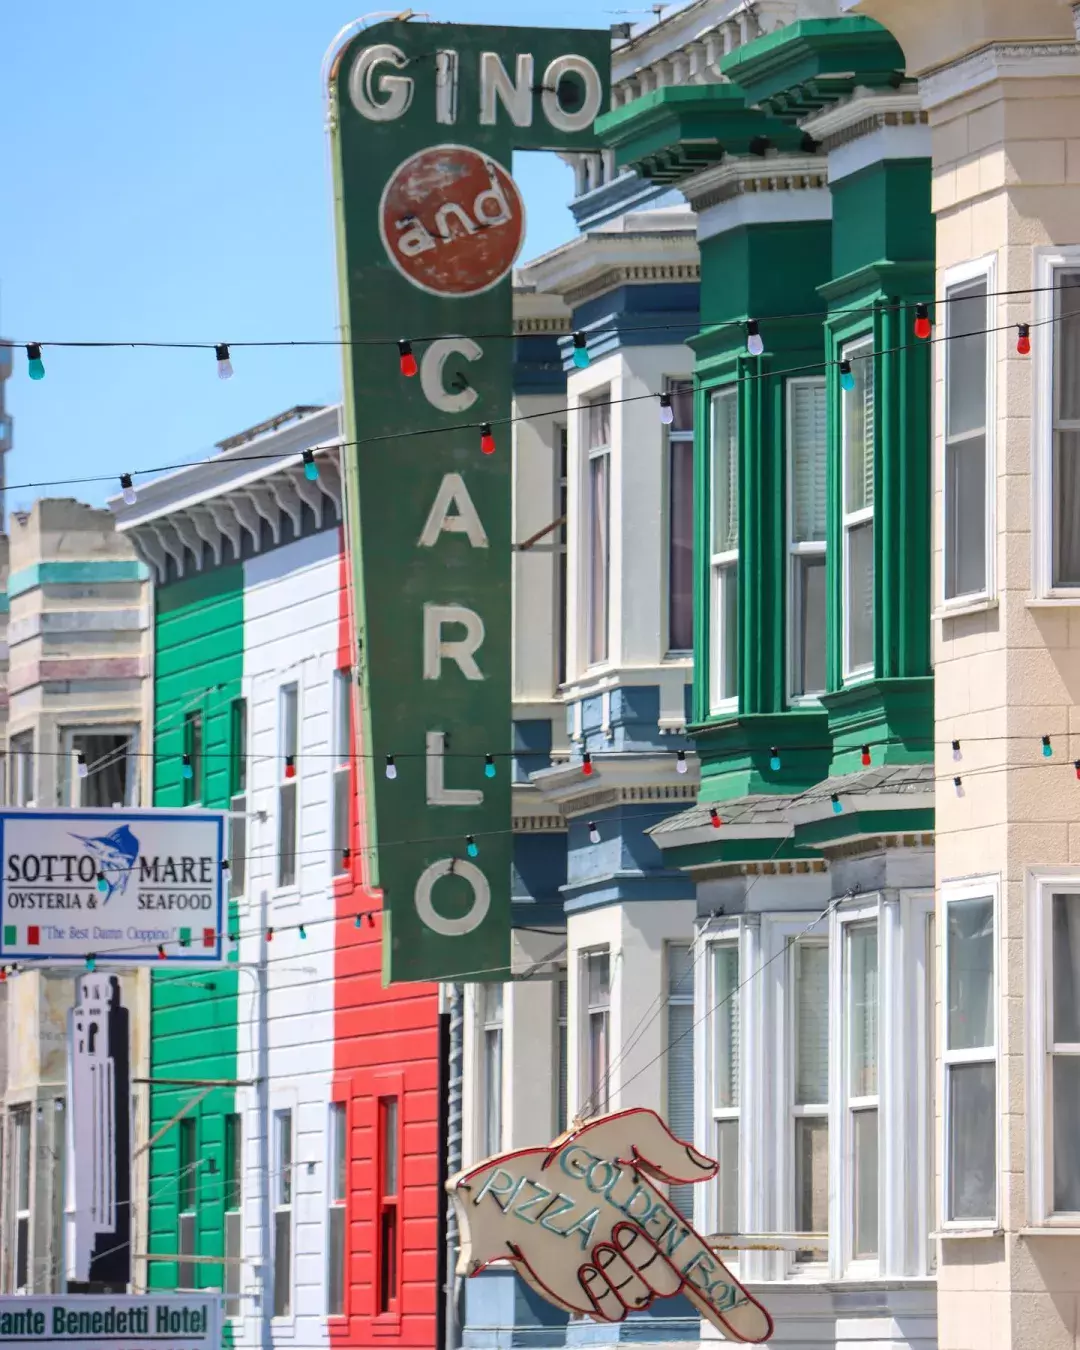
(754, 344)
(82, 768)
(128, 489)
(594, 833)
(224, 365)
(667, 412)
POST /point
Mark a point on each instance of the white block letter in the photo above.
(590, 104)
(453, 492)
(461, 650)
(438, 794)
(516, 99)
(431, 373)
(481, 897)
(397, 90)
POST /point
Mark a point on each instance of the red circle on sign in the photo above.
(451, 220)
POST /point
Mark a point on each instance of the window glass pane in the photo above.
(599, 989)
(341, 818)
(282, 1262)
(493, 1088)
(965, 517)
(726, 1026)
(22, 769)
(970, 979)
(337, 1151)
(562, 996)
(598, 1062)
(107, 756)
(681, 547)
(1066, 494)
(388, 1243)
(727, 1176)
(860, 595)
(287, 834)
(865, 1130)
(390, 1146)
(233, 1160)
(965, 359)
(598, 421)
(1066, 1090)
(1065, 917)
(808, 460)
(809, 623)
(811, 1176)
(237, 846)
(232, 1279)
(725, 473)
(726, 632)
(288, 722)
(284, 1157)
(599, 557)
(682, 405)
(971, 1143)
(680, 1091)
(238, 749)
(193, 747)
(187, 1164)
(335, 1259)
(185, 1270)
(862, 993)
(1066, 328)
(857, 413)
(811, 1024)
(22, 1154)
(1066, 447)
(342, 714)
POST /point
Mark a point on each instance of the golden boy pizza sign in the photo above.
(584, 1225)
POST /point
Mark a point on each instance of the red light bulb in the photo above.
(487, 440)
(586, 764)
(1023, 339)
(866, 756)
(406, 360)
(290, 766)
(922, 322)
(714, 816)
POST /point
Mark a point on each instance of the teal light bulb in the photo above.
(91, 963)
(489, 767)
(102, 882)
(774, 760)
(581, 360)
(185, 767)
(1047, 748)
(471, 847)
(311, 469)
(847, 377)
(837, 805)
(35, 366)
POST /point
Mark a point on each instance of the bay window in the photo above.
(807, 517)
(725, 1083)
(970, 1056)
(680, 606)
(724, 552)
(597, 425)
(810, 1003)
(968, 480)
(857, 422)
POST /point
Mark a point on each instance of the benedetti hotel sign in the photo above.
(585, 1226)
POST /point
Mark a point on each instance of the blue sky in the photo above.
(165, 177)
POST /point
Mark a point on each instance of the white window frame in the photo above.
(864, 917)
(1047, 263)
(726, 935)
(561, 1048)
(1042, 885)
(279, 1110)
(797, 550)
(795, 938)
(981, 888)
(233, 1274)
(491, 1030)
(337, 1134)
(851, 520)
(128, 731)
(341, 767)
(978, 269)
(22, 1113)
(601, 395)
(23, 770)
(723, 567)
(282, 783)
(673, 438)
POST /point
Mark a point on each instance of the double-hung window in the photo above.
(288, 731)
(680, 1058)
(970, 1056)
(342, 766)
(389, 1193)
(562, 450)
(724, 1037)
(724, 560)
(807, 515)
(234, 1217)
(597, 426)
(491, 1026)
(187, 1190)
(562, 1047)
(101, 767)
(336, 1173)
(857, 424)
(22, 769)
(192, 770)
(597, 1014)
(282, 1190)
(810, 1109)
(861, 987)
(968, 484)
(238, 797)
(21, 1190)
(1061, 504)
(680, 599)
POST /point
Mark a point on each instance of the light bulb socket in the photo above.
(33, 351)
(580, 342)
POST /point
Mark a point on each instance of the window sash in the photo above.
(562, 1050)
(858, 487)
(598, 600)
(724, 637)
(193, 747)
(1064, 476)
(22, 769)
(967, 479)
(807, 442)
(680, 597)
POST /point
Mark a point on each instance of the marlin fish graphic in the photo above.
(116, 854)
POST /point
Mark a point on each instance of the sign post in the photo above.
(424, 119)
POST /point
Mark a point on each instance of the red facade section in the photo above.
(386, 1074)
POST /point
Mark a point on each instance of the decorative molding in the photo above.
(733, 179)
(641, 274)
(525, 327)
(998, 61)
(538, 824)
(875, 121)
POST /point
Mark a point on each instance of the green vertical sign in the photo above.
(424, 120)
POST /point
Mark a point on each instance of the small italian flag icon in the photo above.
(33, 936)
(11, 935)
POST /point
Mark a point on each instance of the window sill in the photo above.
(1065, 1230)
(967, 1234)
(983, 606)
(1052, 601)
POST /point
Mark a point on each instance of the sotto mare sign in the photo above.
(584, 1225)
(115, 885)
(424, 122)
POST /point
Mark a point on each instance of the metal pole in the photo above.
(453, 1159)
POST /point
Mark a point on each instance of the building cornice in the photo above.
(863, 113)
(580, 269)
(186, 515)
(772, 174)
(998, 61)
(617, 778)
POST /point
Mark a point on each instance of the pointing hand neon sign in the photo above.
(586, 1228)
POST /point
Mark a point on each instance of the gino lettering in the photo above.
(613, 1191)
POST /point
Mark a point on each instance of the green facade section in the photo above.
(199, 639)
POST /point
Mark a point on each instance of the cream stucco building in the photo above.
(1001, 84)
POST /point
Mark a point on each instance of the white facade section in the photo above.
(291, 617)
